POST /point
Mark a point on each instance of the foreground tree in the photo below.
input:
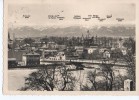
(92, 78)
(130, 61)
(65, 80)
(50, 78)
(43, 79)
(109, 76)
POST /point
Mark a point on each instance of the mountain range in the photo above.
(109, 31)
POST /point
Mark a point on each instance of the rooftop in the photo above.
(11, 59)
(31, 53)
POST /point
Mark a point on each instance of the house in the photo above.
(17, 48)
(59, 56)
(61, 47)
(48, 53)
(95, 47)
(70, 48)
(16, 54)
(112, 48)
(120, 43)
(12, 62)
(124, 51)
(106, 54)
(78, 47)
(101, 50)
(89, 50)
(43, 47)
(36, 44)
(31, 59)
(25, 47)
(19, 41)
(52, 45)
(79, 52)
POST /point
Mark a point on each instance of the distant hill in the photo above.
(110, 31)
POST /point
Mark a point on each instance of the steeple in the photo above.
(96, 39)
(9, 37)
(88, 34)
(82, 38)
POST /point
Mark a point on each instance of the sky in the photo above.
(40, 9)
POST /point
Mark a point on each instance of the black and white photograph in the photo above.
(71, 45)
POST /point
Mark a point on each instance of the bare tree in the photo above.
(118, 84)
(92, 78)
(43, 79)
(65, 79)
(50, 78)
(130, 61)
(109, 76)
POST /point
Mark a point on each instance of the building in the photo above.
(106, 54)
(12, 62)
(124, 51)
(43, 47)
(16, 54)
(10, 42)
(25, 47)
(79, 52)
(35, 45)
(48, 53)
(78, 47)
(94, 47)
(59, 56)
(120, 43)
(19, 41)
(62, 47)
(31, 59)
(89, 50)
(101, 50)
(52, 45)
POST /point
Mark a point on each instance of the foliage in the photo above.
(28, 40)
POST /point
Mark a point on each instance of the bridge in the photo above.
(83, 61)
